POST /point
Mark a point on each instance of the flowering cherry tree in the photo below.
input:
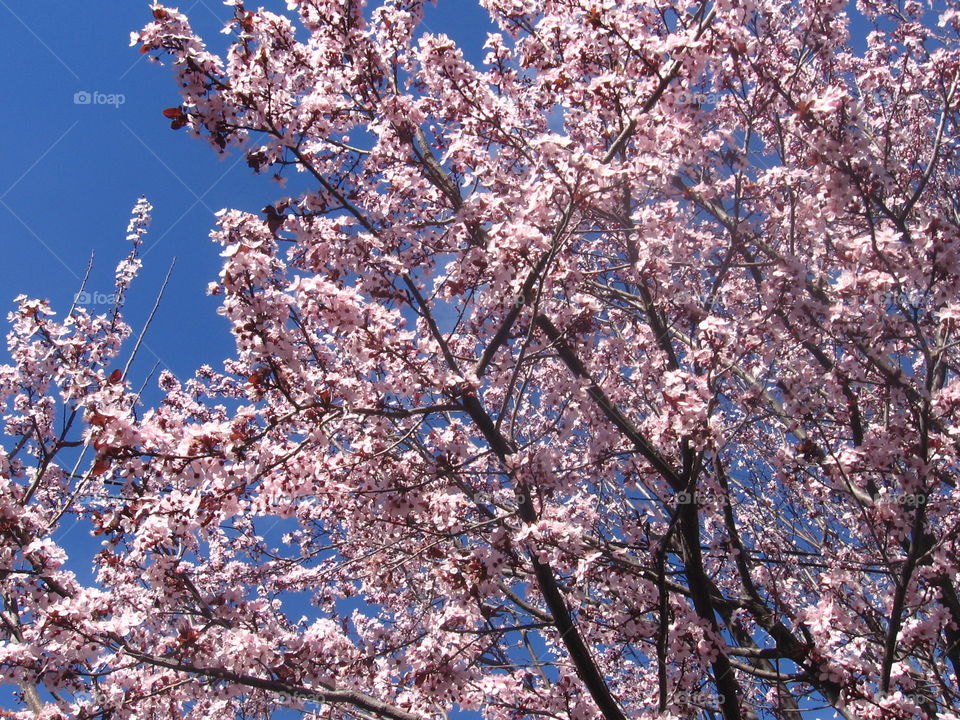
(613, 375)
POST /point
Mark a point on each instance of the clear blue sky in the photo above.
(70, 172)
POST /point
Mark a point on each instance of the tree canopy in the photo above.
(614, 375)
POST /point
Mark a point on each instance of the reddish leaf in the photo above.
(258, 376)
(274, 219)
(98, 419)
(100, 466)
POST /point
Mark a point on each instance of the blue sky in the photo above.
(70, 172)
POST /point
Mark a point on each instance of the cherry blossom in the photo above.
(612, 374)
